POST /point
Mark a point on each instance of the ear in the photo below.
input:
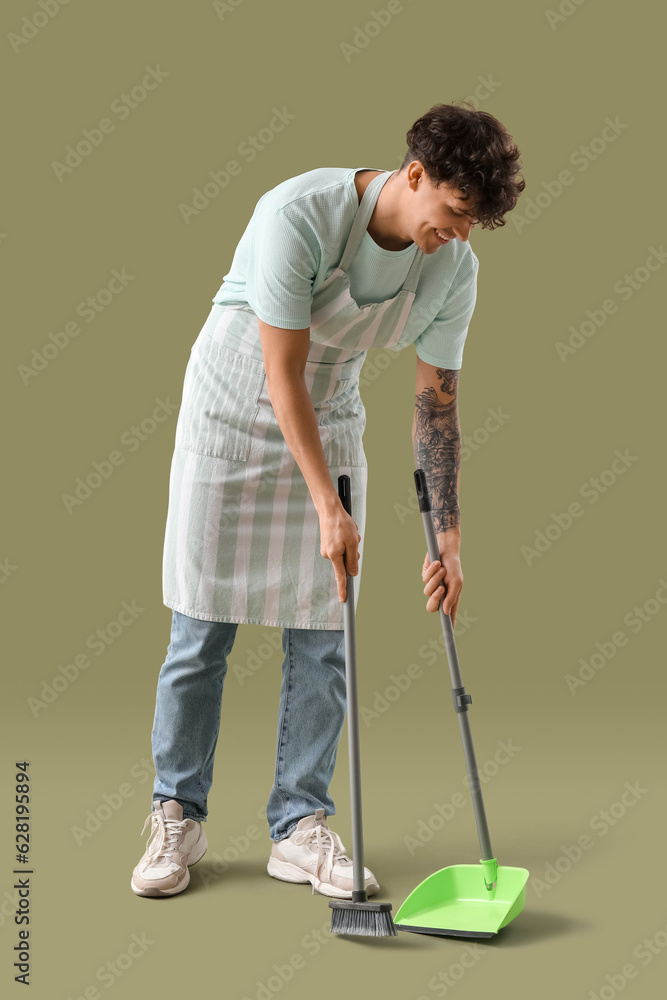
(416, 174)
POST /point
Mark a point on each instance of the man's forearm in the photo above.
(436, 436)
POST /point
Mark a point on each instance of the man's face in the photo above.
(436, 214)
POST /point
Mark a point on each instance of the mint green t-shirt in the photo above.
(295, 239)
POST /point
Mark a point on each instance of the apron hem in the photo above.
(202, 616)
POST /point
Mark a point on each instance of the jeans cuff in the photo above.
(187, 814)
(290, 831)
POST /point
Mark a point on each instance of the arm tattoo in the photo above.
(437, 444)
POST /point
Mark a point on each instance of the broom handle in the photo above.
(358, 880)
(461, 699)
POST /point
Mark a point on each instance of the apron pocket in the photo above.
(344, 383)
(220, 401)
(342, 423)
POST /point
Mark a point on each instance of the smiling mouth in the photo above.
(441, 238)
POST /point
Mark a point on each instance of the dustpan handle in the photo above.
(461, 699)
(359, 894)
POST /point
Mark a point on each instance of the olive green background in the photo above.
(522, 627)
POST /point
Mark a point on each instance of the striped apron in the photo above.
(242, 538)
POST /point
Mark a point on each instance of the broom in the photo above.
(356, 916)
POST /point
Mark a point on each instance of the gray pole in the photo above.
(358, 878)
(461, 699)
(359, 881)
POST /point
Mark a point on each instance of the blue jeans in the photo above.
(310, 719)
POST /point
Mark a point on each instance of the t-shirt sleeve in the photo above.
(282, 264)
(442, 342)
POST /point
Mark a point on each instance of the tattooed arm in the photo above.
(436, 436)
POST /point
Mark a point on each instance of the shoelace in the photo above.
(329, 847)
(157, 846)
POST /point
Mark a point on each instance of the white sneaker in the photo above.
(314, 853)
(174, 844)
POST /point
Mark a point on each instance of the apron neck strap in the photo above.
(362, 217)
(360, 224)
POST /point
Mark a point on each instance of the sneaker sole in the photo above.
(185, 882)
(286, 872)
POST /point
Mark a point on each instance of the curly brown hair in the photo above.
(472, 151)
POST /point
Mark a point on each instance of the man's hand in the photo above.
(339, 542)
(443, 576)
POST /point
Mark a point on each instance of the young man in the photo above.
(333, 262)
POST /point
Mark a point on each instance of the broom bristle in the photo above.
(366, 919)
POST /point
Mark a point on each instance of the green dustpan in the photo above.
(455, 902)
(462, 900)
